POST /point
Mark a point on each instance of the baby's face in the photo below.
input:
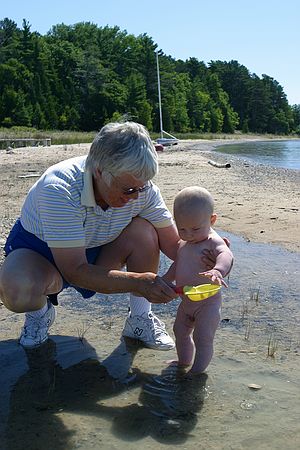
(193, 227)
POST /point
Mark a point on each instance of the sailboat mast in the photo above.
(159, 97)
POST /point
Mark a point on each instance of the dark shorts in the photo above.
(20, 238)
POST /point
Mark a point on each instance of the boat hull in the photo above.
(167, 141)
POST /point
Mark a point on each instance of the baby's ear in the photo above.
(213, 219)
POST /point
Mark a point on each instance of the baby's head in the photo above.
(194, 213)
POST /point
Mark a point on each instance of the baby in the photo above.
(197, 321)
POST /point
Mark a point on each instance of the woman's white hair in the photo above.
(124, 148)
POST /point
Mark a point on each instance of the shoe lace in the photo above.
(157, 326)
(32, 326)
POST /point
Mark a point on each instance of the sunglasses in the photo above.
(131, 191)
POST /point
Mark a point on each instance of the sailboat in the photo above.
(165, 141)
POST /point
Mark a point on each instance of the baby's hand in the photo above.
(215, 276)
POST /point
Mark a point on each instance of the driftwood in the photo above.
(30, 175)
(221, 166)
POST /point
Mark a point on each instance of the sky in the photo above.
(263, 35)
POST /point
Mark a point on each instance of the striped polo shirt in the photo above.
(61, 210)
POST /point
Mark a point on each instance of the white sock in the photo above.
(39, 312)
(139, 305)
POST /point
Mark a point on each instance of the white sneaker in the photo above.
(148, 329)
(35, 329)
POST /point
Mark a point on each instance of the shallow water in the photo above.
(281, 153)
(100, 392)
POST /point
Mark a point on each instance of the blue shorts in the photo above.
(20, 238)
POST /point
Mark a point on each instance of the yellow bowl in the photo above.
(201, 292)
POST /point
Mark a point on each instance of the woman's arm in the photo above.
(73, 265)
(168, 240)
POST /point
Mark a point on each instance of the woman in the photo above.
(81, 223)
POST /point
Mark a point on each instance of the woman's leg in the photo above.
(26, 278)
(137, 247)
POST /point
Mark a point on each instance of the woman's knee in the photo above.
(142, 234)
(14, 294)
(17, 294)
(25, 279)
(143, 228)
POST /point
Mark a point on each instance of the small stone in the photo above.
(254, 386)
(247, 405)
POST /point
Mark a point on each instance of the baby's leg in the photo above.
(206, 323)
(183, 329)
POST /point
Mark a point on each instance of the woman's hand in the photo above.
(155, 289)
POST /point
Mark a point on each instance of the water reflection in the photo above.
(167, 409)
(65, 376)
(50, 386)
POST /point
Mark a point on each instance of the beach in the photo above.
(89, 405)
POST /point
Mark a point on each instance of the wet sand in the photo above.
(85, 389)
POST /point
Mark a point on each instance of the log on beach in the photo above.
(30, 175)
(221, 166)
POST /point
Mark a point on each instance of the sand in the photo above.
(71, 402)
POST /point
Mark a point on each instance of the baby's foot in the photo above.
(193, 375)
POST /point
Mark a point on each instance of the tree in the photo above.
(81, 76)
(281, 117)
(199, 107)
(296, 118)
(137, 104)
(9, 40)
(235, 80)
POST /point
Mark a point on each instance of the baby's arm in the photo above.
(224, 262)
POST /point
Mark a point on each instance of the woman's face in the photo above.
(115, 193)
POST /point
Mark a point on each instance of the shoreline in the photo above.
(255, 201)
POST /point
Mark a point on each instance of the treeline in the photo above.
(81, 76)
